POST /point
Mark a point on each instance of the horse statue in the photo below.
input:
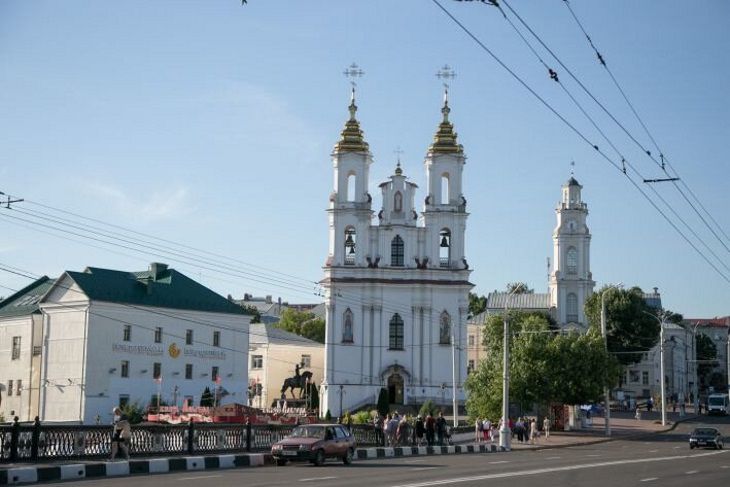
(297, 382)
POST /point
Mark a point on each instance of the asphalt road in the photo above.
(661, 459)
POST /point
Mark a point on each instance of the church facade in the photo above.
(396, 291)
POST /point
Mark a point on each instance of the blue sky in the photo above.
(211, 124)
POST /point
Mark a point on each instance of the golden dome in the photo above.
(444, 141)
(351, 138)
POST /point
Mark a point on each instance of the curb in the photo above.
(407, 451)
(79, 471)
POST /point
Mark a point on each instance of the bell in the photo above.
(348, 241)
(444, 241)
(352, 249)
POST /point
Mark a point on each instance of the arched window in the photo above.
(445, 189)
(445, 248)
(347, 327)
(571, 260)
(350, 243)
(572, 307)
(396, 333)
(398, 201)
(445, 329)
(396, 252)
(351, 180)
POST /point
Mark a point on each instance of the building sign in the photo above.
(151, 350)
(173, 350)
(204, 354)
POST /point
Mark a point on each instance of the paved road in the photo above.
(662, 460)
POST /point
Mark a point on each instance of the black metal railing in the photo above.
(36, 442)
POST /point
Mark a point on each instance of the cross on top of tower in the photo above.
(445, 74)
(398, 151)
(572, 168)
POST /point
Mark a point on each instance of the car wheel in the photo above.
(280, 462)
(319, 458)
(719, 445)
(691, 447)
(347, 459)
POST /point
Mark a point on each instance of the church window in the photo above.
(350, 243)
(572, 260)
(397, 252)
(347, 327)
(398, 201)
(572, 305)
(445, 196)
(445, 248)
(396, 333)
(351, 178)
(445, 329)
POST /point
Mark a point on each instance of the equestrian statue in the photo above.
(299, 381)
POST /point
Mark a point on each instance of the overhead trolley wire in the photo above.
(579, 134)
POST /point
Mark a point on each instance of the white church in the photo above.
(396, 292)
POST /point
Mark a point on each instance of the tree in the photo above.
(632, 325)
(427, 408)
(706, 357)
(303, 324)
(545, 366)
(519, 288)
(133, 411)
(477, 304)
(253, 311)
(206, 399)
(383, 405)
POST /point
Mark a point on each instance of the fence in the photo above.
(37, 442)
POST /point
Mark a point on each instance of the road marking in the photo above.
(200, 477)
(650, 479)
(417, 469)
(725, 466)
(566, 468)
(500, 461)
(317, 478)
(691, 472)
(677, 447)
(414, 461)
(593, 455)
(552, 458)
(653, 451)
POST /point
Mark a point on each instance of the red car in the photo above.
(315, 443)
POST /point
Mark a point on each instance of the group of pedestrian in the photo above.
(485, 431)
(397, 430)
(526, 430)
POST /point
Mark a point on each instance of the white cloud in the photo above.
(163, 204)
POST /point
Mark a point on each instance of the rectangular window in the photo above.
(396, 333)
(188, 337)
(16, 348)
(470, 367)
(471, 340)
(127, 333)
(158, 334)
(257, 361)
(18, 387)
(634, 376)
(125, 368)
(10, 387)
(157, 370)
(645, 378)
(123, 400)
(216, 339)
(306, 361)
(214, 373)
(188, 401)
(188, 371)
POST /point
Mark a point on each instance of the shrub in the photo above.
(363, 417)
(133, 411)
(427, 408)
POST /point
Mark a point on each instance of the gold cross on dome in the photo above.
(445, 74)
(352, 73)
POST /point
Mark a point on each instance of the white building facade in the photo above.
(396, 293)
(109, 338)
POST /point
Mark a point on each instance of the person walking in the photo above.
(430, 429)
(478, 429)
(420, 430)
(487, 429)
(533, 431)
(493, 433)
(546, 427)
(121, 434)
(441, 428)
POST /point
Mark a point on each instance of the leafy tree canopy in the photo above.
(303, 324)
(519, 288)
(632, 325)
(706, 355)
(477, 304)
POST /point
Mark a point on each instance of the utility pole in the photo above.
(453, 379)
(604, 333)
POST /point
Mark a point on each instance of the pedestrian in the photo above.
(637, 415)
(519, 429)
(379, 433)
(533, 431)
(649, 404)
(441, 428)
(420, 430)
(430, 429)
(493, 433)
(478, 430)
(121, 434)
(487, 429)
(393, 429)
(546, 427)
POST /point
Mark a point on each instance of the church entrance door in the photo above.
(395, 389)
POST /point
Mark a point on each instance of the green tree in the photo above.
(477, 304)
(303, 324)
(253, 311)
(519, 288)
(706, 357)
(206, 399)
(133, 411)
(631, 324)
(383, 405)
(427, 408)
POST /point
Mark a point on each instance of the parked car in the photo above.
(705, 436)
(314, 443)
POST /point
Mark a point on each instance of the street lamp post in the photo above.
(661, 364)
(505, 435)
(604, 333)
(453, 379)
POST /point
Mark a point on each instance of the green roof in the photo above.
(25, 301)
(159, 287)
